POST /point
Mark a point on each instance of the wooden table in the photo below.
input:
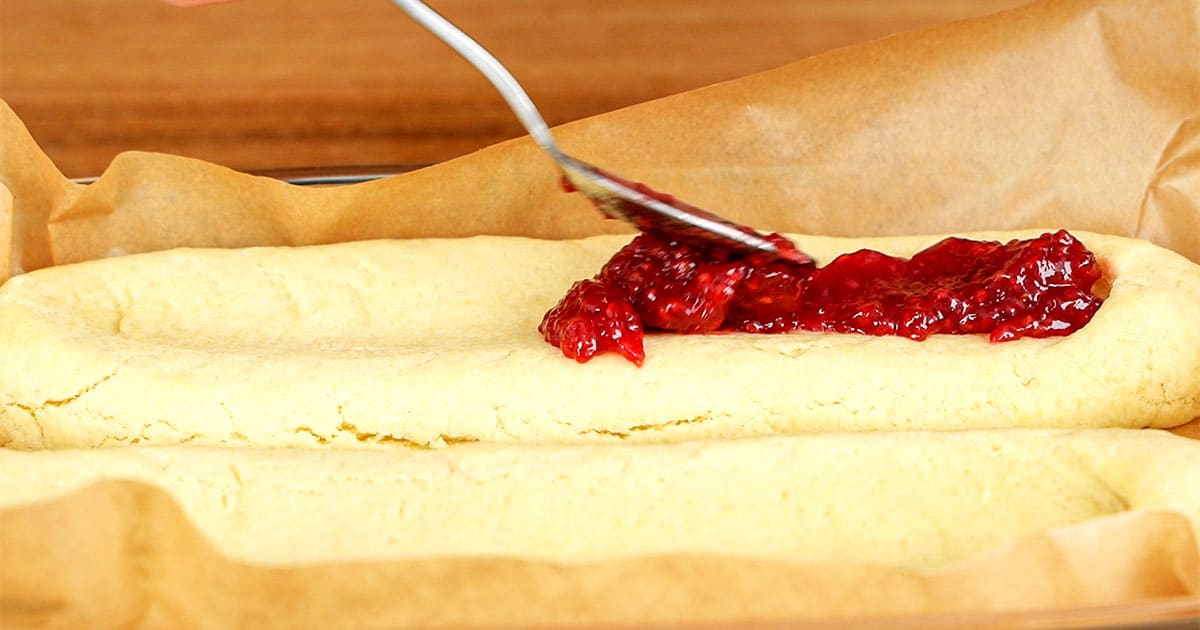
(265, 84)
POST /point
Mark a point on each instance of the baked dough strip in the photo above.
(916, 499)
(432, 342)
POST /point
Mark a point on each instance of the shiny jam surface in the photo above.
(1037, 287)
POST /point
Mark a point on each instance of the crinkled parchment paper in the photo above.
(1082, 114)
(123, 553)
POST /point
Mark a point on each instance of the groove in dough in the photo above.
(434, 342)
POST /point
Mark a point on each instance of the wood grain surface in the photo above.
(265, 84)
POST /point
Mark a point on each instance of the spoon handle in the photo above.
(495, 72)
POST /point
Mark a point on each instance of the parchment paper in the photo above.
(1082, 114)
(135, 560)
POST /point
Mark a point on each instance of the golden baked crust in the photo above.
(428, 342)
(909, 499)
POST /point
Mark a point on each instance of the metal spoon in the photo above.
(616, 197)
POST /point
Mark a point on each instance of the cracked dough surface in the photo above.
(430, 342)
(912, 499)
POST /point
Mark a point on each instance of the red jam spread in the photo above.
(1038, 287)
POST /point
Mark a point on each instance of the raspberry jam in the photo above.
(1039, 287)
(594, 317)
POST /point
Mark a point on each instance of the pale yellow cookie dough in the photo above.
(429, 342)
(916, 499)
